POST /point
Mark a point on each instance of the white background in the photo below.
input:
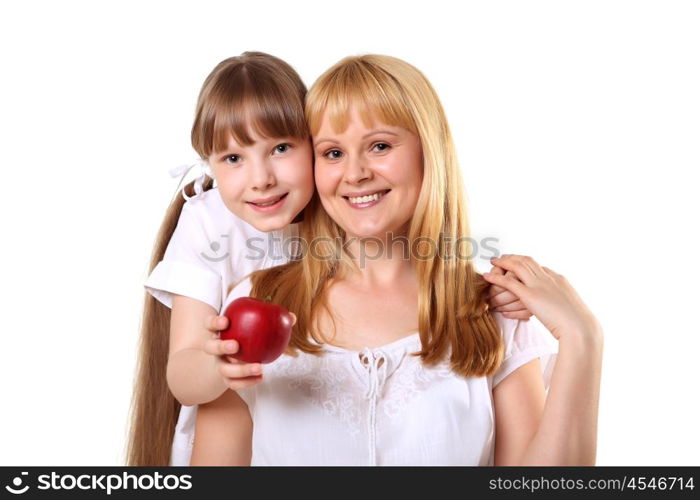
(577, 126)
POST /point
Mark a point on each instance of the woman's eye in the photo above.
(232, 159)
(381, 146)
(282, 148)
(333, 154)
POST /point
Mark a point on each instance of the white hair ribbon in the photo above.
(204, 171)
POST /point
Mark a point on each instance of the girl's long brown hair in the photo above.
(251, 92)
(453, 314)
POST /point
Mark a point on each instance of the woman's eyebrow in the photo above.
(322, 140)
(380, 131)
(368, 134)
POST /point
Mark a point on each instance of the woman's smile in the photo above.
(365, 199)
(368, 176)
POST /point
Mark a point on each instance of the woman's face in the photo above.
(267, 183)
(368, 177)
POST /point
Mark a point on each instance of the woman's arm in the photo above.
(562, 430)
(566, 432)
(223, 432)
(192, 373)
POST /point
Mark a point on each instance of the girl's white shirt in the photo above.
(382, 406)
(211, 250)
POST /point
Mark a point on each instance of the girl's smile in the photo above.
(266, 183)
(269, 204)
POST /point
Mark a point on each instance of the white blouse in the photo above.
(382, 406)
(210, 250)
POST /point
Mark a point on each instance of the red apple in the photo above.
(262, 329)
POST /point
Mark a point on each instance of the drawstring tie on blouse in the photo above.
(376, 365)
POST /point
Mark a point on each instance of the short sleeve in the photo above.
(525, 341)
(184, 270)
(242, 289)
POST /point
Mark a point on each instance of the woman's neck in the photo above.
(383, 264)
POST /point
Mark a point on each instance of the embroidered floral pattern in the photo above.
(325, 382)
(330, 382)
(408, 382)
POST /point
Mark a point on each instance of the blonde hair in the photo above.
(453, 313)
(252, 91)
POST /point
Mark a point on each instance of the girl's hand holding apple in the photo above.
(250, 332)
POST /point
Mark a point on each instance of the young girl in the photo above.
(251, 134)
(400, 361)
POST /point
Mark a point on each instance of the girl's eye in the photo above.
(381, 146)
(282, 148)
(333, 154)
(232, 159)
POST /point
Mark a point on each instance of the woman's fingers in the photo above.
(525, 268)
(494, 290)
(510, 283)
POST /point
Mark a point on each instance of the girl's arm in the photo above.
(192, 373)
(223, 432)
(561, 431)
(198, 370)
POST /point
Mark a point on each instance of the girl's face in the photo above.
(368, 178)
(267, 183)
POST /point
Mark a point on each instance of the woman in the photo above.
(397, 359)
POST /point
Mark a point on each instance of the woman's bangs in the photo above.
(376, 98)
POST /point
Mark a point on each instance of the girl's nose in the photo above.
(262, 177)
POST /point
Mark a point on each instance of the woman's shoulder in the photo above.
(520, 334)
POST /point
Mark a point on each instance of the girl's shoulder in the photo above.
(208, 205)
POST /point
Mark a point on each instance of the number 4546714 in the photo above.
(661, 483)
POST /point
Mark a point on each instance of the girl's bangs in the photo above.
(242, 107)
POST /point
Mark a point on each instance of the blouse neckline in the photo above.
(396, 344)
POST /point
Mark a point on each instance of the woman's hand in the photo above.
(547, 294)
(236, 374)
(501, 300)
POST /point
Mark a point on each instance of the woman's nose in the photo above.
(357, 171)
